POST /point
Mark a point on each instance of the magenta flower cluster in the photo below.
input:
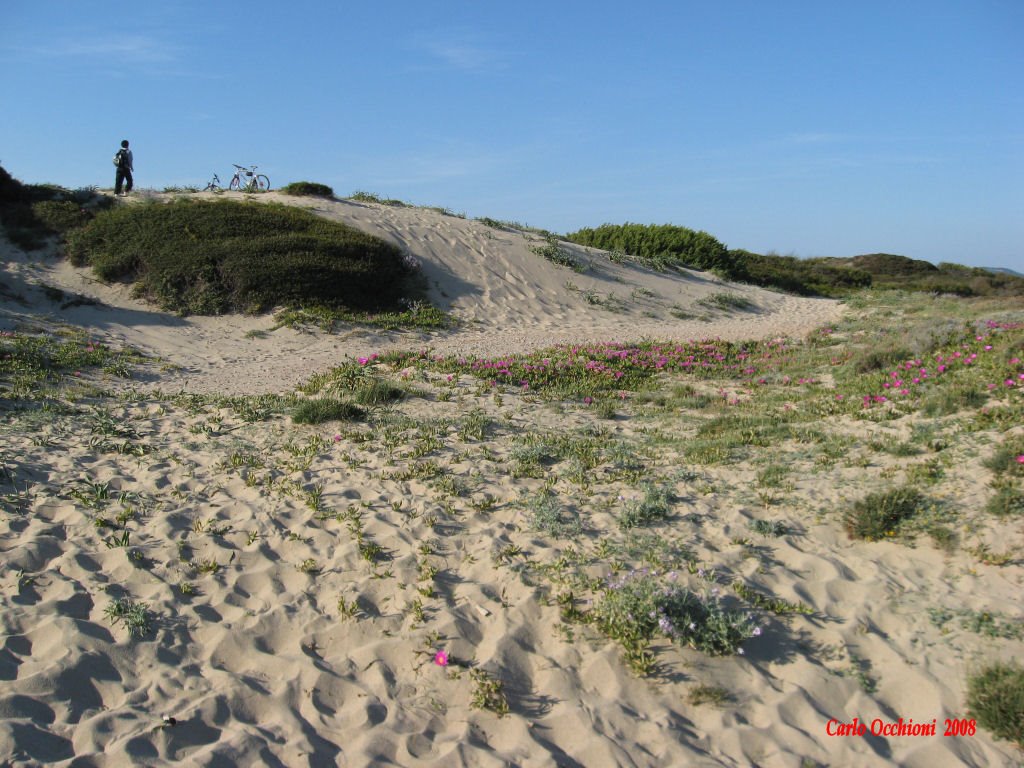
(911, 376)
(617, 366)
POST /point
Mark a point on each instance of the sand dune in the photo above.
(505, 298)
(276, 637)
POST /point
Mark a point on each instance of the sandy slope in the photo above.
(258, 662)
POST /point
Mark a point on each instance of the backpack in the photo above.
(121, 158)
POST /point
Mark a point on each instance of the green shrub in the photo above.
(32, 213)
(640, 605)
(879, 515)
(11, 190)
(325, 409)
(307, 189)
(664, 244)
(60, 215)
(212, 257)
(995, 697)
(890, 264)
(806, 277)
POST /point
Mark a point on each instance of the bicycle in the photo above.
(214, 185)
(247, 180)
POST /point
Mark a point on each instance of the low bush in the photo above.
(31, 214)
(325, 409)
(213, 257)
(61, 216)
(307, 189)
(880, 515)
(805, 277)
(665, 244)
(640, 605)
(995, 697)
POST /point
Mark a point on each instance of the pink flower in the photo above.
(337, 438)
(588, 400)
(1020, 459)
(441, 658)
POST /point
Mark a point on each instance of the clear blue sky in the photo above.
(804, 127)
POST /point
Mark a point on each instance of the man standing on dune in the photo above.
(123, 161)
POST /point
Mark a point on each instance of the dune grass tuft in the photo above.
(325, 409)
(880, 515)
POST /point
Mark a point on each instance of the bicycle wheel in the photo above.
(262, 183)
(236, 184)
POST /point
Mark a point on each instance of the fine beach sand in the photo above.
(259, 662)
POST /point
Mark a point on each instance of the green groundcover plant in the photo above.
(637, 606)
